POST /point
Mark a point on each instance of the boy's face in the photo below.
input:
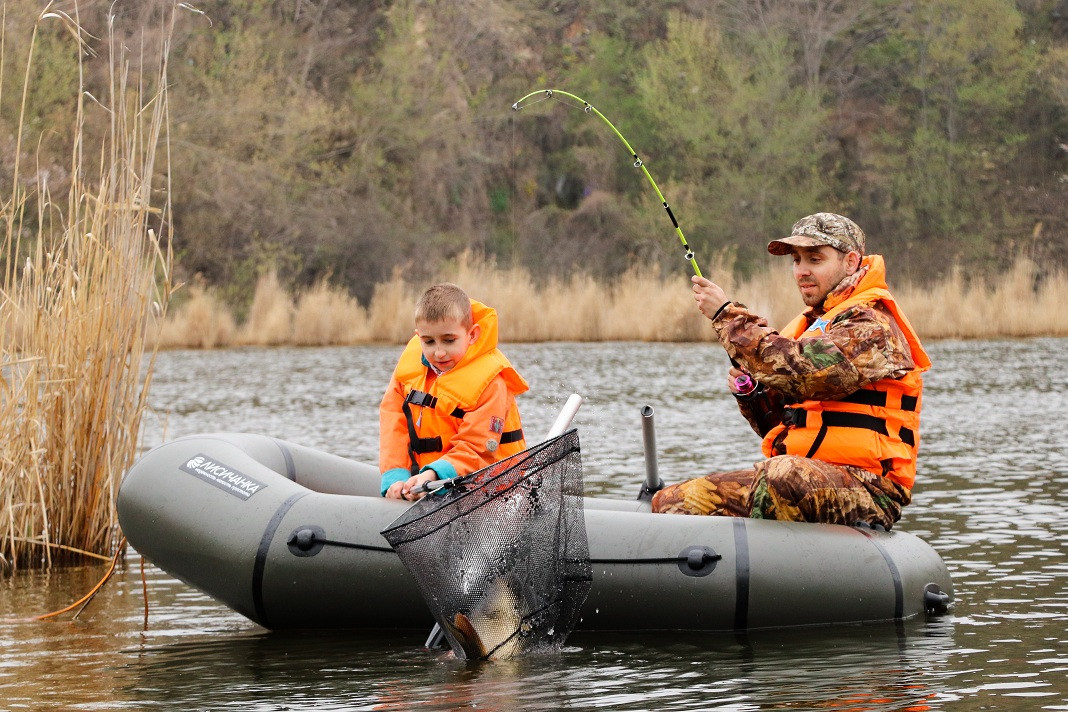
(445, 342)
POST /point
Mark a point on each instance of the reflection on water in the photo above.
(990, 497)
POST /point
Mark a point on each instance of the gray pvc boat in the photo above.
(289, 537)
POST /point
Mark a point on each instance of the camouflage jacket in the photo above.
(864, 344)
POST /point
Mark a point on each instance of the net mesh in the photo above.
(502, 558)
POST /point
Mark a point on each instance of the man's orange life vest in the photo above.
(435, 412)
(875, 427)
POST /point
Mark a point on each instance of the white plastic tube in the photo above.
(567, 414)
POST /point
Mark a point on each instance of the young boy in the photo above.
(450, 406)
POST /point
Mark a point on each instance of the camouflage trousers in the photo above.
(790, 488)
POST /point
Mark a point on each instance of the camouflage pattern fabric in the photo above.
(838, 231)
(723, 493)
(798, 489)
(790, 488)
(863, 345)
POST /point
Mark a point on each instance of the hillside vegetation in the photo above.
(350, 143)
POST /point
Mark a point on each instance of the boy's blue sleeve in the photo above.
(397, 474)
(442, 468)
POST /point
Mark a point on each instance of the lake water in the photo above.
(991, 497)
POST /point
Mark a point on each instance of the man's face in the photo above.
(445, 342)
(818, 270)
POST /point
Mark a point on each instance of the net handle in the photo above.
(567, 414)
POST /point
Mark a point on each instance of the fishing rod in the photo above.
(638, 163)
(744, 382)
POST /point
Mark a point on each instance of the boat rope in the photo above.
(306, 541)
(638, 163)
(692, 561)
(703, 559)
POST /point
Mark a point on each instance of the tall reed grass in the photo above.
(641, 305)
(76, 317)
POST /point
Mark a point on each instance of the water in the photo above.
(991, 492)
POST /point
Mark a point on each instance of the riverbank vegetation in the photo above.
(83, 274)
(337, 144)
(641, 305)
(324, 161)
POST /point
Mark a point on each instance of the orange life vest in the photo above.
(434, 415)
(876, 427)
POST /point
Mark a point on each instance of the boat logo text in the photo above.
(222, 476)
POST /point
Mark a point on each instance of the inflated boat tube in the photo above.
(290, 537)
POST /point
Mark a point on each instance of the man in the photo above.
(838, 392)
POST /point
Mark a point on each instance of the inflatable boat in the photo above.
(290, 537)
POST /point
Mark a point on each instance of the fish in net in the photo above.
(501, 555)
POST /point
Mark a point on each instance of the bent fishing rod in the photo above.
(744, 382)
(638, 163)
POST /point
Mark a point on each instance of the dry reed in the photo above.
(641, 305)
(202, 322)
(76, 321)
(325, 316)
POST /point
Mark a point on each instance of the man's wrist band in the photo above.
(720, 310)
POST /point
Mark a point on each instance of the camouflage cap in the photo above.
(839, 232)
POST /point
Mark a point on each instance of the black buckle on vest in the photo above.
(795, 417)
(421, 399)
(425, 400)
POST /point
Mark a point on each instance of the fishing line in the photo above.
(638, 163)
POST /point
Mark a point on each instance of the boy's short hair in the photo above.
(444, 301)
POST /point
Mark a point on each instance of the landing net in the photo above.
(502, 557)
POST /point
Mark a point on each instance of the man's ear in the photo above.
(852, 260)
(476, 331)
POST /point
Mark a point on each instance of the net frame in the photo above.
(502, 556)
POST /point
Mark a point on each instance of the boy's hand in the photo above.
(394, 491)
(413, 483)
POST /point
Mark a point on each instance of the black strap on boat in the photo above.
(261, 557)
(741, 575)
(291, 468)
(895, 574)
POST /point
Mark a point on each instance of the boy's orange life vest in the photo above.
(435, 412)
(877, 426)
